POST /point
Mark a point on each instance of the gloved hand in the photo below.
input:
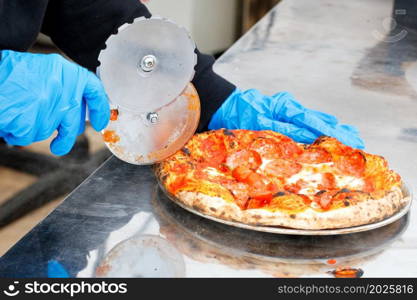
(282, 113)
(56, 270)
(43, 93)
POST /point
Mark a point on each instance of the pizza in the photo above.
(265, 178)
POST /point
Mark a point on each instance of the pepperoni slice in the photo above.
(257, 180)
(260, 187)
(289, 149)
(328, 181)
(324, 199)
(270, 149)
(241, 173)
(240, 192)
(248, 158)
(314, 156)
(267, 148)
(261, 193)
(282, 168)
(353, 164)
(214, 151)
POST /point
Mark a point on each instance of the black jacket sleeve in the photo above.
(81, 27)
(20, 22)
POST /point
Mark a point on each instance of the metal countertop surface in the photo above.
(333, 56)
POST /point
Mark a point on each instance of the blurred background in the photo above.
(33, 182)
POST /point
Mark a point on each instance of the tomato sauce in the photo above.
(110, 136)
(114, 114)
(177, 184)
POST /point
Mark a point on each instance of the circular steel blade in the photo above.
(147, 64)
(138, 139)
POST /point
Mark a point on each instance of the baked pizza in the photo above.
(266, 178)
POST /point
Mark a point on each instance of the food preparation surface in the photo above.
(332, 56)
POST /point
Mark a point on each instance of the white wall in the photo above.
(212, 23)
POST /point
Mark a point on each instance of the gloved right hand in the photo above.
(282, 113)
(42, 93)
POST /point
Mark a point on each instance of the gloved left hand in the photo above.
(42, 93)
(281, 113)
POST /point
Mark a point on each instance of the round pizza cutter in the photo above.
(146, 69)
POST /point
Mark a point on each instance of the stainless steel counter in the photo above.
(333, 56)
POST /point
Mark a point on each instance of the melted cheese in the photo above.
(311, 174)
(311, 179)
(307, 176)
(265, 162)
(350, 182)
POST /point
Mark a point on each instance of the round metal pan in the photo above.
(194, 234)
(291, 231)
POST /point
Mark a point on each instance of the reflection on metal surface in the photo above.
(283, 230)
(142, 256)
(278, 255)
(409, 135)
(384, 66)
(411, 75)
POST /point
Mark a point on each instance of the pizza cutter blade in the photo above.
(146, 69)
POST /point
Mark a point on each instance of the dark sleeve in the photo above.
(81, 27)
(20, 22)
(211, 87)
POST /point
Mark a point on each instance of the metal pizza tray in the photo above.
(193, 233)
(291, 231)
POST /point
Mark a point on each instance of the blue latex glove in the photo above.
(56, 270)
(43, 93)
(280, 112)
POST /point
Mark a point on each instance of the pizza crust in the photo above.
(364, 212)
